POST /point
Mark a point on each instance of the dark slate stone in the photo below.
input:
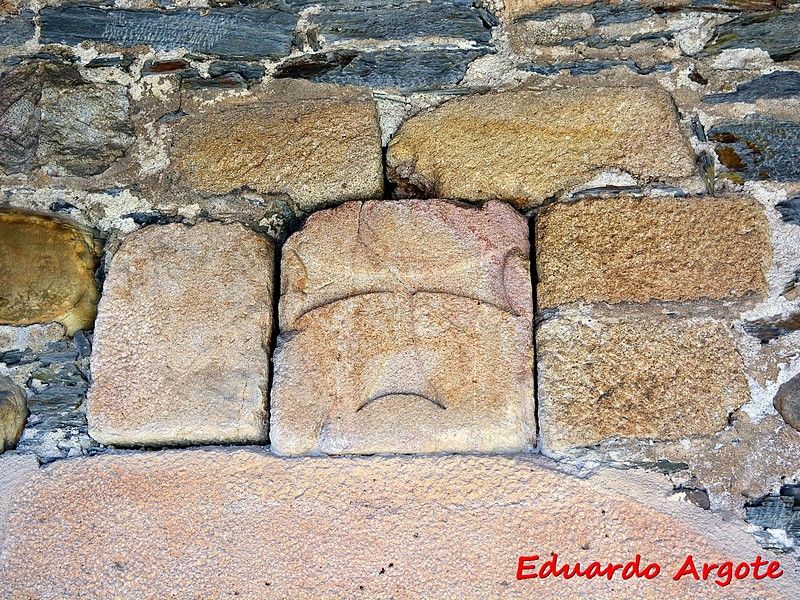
(402, 22)
(20, 92)
(239, 32)
(775, 32)
(772, 512)
(405, 70)
(15, 31)
(790, 210)
(777, 85)
(590, 67)
(759, 148)
(767, 330)
(787, 402)
(602, 12)
(126, 60)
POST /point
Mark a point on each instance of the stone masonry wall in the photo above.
(370, 298)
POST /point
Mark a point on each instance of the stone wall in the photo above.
(418, 282)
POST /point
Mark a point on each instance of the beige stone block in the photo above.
(526, 146)
(224, 523)
(13, 413)
(181, 346)
(637, 377)
(406, 326)
(636, 250)
(315, 144)
(46, 271)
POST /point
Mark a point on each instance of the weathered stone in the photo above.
(240, 522)
(182, 338)
(15, 470)
(47, 271)
(405, 327)
(759, 148)
(775, 32)
(316, 144)
(407, 69)
(84, 129)
(590, 67)
(636, 250)
(790, 210)
(15, 31)
(768, 329)
(237, 32)
(643, 377)
(444, 19)
(777, 85)
(20, 92)
(787, 402)
(525, 147)
(13, 412)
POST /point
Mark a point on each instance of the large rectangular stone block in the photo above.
(181, 345)
(636, 377)
(227, 523)
(636, 250)
(405, 327)
(526, 146)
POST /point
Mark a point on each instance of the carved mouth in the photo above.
(437, 403)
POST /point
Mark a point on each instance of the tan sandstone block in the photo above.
(406, 326)
(227, 523)
(46, 271)
(526, 146)
(13, 413)
(181, 345)
(639, 377)
(316, 144)
(627, 249)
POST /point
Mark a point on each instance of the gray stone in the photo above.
(759, 148)
(777, 85)
(787, 402)
(775, 32)
(603, 13)
(770, 329)
(405, 70)
(20, 91)
(15, 31)
(84, 129)
(790, 210)
(591, 67)
(239, 32)
(402, 21)
(13, 412)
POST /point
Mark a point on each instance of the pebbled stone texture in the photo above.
(234, 32)
(13, 412)
(787, 402)
(47, 271)
(636, 250)
(406, 327)
(645, 377)
(774, 32)
(182, 338)
(227, 522)
(758, 148)
(524, 147)
(315, 144)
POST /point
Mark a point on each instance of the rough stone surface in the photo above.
(524, 147)
(647, 377)
(15, 31)
(759, 148)
(775, 32)
(626, 249)
(237, 32)
(182, 338)
(227, 522)
(787, 402)
(84, 129)
(13, 412)
(46, 271)
(20, 92)
(405, 327)
(15, 470)
(777, 85)
(315, 144)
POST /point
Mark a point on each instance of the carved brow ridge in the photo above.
(373, 399)
(504, 309)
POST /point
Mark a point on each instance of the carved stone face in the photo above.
(405, 327)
